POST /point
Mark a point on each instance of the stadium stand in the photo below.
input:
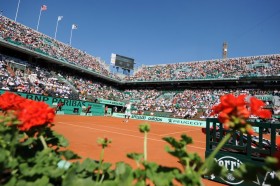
(255, 66)
(20, 35)
(34, 72)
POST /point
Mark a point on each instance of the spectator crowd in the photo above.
(255, 66)
(23, 36)
(36, 79)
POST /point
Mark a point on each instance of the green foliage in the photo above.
(25, 160)
(179, 150)
(145, 127)
(138, 158)
(104, 142)
(190, 162)
(250, 171)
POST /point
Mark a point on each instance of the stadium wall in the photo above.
(71, 107)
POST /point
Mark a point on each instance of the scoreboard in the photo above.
(122, 62)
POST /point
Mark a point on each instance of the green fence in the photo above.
(70, 106)
(241, 148)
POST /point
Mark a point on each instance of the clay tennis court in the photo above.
(82, 133)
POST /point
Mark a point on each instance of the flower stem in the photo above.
(43, 141)
(214, 153)
(100, 163)
(145, 146)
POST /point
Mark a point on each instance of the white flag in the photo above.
(74, 26)
(59, 18)
(43, 7)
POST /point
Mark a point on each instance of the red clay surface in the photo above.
(82, 133)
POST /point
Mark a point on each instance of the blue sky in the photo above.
(157, 31)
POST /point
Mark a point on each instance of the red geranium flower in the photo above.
(256, 104)
(229, 102)
(30, 113)
(35, 113)
(10, 101)
(233, 112)
(223, 117)
(243, 112)
(257, 108)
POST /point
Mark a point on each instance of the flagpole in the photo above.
(56, 29)
(39, 18)
(71, 36)
(17, 10)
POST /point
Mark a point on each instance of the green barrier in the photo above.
(164, 120)
(241, 148)
(70, 106)
(109, 112)
(110, 102)
(196, 123)
(264, 97)
(159, 114)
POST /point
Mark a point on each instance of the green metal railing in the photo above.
(241, 148)
(237, 144)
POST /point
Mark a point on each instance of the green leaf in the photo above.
(136, 156)
(3, 155)
(88, 165)
(173, 142)
(69, 155)
(186, 139)
(214, 168)
(11, 182)
(26, 170)
(44, 181)
(124, 174)
(71, 179)
(114, 183)
(106, 165)
(159, 175)
(271, 162)
(13, 163)
(29, 141)
(62, 141)
(145, 127)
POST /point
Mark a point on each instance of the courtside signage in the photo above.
(164, 120)
(110, 102)
(230, 163)
(70, 106)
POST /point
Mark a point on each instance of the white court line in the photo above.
(185, 133)
(178, 132)
(124, 134)
(91, 128)
(160, 135)
(116, 128)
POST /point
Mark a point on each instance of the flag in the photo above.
(74, 26)
(43, 7)
(59, 18)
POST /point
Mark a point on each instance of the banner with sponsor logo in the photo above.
(196, 123)
(164, 120)
(70, 106)
(264, 97)
(110, 102)
(232, 161)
